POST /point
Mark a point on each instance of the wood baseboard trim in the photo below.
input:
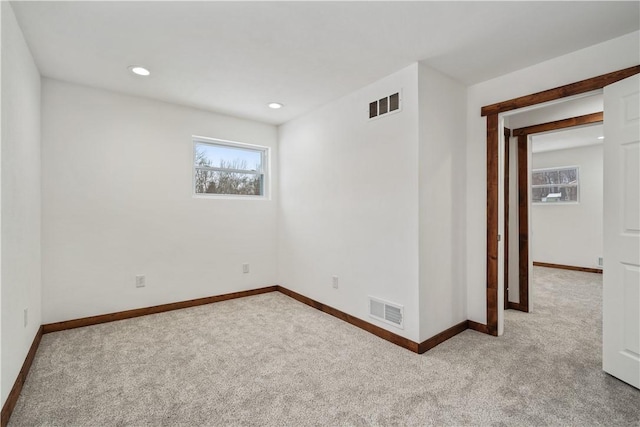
(378, 331)
(410, 345)
(479, 327)
(415, 347)
(12, 399)
(442, 336)
(369, 327)
(567, 267)
(373, 329)
(128, 314)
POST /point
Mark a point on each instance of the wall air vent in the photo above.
(387, 312)
(384, 106)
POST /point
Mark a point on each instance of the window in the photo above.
(229, 168)
(557, 185)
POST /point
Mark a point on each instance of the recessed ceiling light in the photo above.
(140, 71)
(275, 105)
(601, 137)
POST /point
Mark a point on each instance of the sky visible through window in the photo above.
(230, 156)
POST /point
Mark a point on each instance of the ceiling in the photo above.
(558, 110)
(578, 136)
(235, 57)
(569, 138)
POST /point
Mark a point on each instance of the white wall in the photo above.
(2, 396)
(117, 202)
(349, 202)
(20, 191)
(570, 234)
(514, 224)
(442, 202)
(613, 55)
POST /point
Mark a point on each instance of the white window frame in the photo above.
(559, 202)
(265, 172)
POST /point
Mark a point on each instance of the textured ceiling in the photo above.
(235, 57)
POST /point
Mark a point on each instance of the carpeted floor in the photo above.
(269, 360)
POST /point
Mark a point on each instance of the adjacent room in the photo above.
(312, 213)
(567, 201)
(557, 214)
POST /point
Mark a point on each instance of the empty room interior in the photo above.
(319, 213)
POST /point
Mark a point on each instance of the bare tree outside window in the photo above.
(228, 170)
(555, 185)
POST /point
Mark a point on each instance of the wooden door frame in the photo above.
(523, 194)
(491, 112)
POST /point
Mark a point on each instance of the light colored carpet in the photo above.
(269, 360)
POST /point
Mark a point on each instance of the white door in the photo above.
(621, 278)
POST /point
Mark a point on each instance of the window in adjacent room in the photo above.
(229, 168)
(555, 185)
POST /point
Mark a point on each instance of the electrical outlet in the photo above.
(140, 281)
(335, 282)
(26, 317)
(600, 261)
(245, 268)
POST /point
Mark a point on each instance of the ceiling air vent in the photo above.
(388, 104)
(387, 312)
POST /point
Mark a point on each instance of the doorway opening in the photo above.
(566, 133)
(495, 196)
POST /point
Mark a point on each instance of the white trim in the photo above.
(244, 171)
(228, 196)
(236, 144)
